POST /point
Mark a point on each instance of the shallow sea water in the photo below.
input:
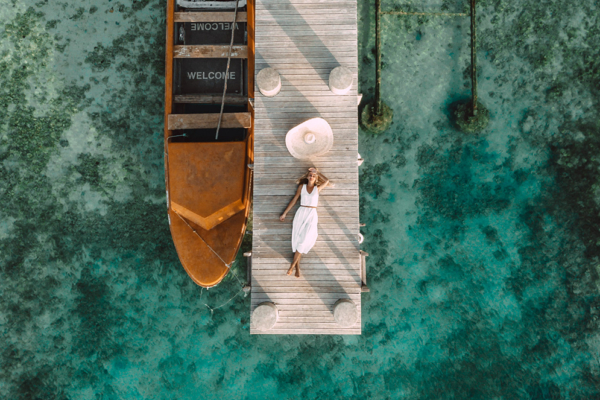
(484, 249)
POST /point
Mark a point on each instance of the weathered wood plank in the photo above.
(265, 190)
(306, 2)
(273, 217)
(286, 246)
(303, 33)
(311, 277)
(321, 319)
(287, 108)
(316, 102)
(345, 166)
(291, 186)
(300, 313)
(304, 307)
(281, 150)
(345, 255)
(332, 213)
(325, 209)
(267, 135)
(308, 271)
(209, 51)
(242, 16)
(356, 331)
(288, 237)
(205, 121)
(276, 295)
(320, 261)
(316, 22)
(298, 168)
(324, 199)
(338, 156)
(279, 145)
(302, 284)
(307, 274)
(210, 99)
(306, 325)
(306, 10)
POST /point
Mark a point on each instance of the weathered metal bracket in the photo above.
(248, 287)
(363, 271)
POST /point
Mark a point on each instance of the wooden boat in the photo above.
(208, 178)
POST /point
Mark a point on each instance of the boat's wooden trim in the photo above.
(210, 51)
(168, 85)
(209, 17)
(212, 220)
(197, 248)
(210, 98)
(251, 54)
(208, 121)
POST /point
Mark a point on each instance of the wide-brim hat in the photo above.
(310, 139)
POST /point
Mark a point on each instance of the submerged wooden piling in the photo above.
(378, 107)
(473, 60)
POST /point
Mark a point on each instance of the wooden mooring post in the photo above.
(473, 59)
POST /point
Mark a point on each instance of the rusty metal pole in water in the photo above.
(378, 57)
(473, 60)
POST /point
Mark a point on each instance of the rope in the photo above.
(213, 309)
(227, 70)
(211, 249)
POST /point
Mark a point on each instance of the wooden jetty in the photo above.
(304, 40)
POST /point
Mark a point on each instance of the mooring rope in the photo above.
(211, 249)
(228, 301)
(227, 70)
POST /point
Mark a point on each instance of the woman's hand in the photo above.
(282, 218)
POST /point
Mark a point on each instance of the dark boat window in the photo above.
(208, 135)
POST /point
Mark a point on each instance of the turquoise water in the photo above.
(484, 249)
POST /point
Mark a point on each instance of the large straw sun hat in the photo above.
(311, 138)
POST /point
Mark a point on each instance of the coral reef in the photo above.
(484, 249)
(469, 123)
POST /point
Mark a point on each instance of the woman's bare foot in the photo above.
(298, 270)
(291, 269)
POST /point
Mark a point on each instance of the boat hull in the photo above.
(208, 186)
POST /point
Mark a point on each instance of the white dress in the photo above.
(304, 227)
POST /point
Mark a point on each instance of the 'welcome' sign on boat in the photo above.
(207, 75)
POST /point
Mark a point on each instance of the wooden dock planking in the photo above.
(304, 40)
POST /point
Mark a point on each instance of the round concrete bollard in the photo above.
(340, 80)
(264, 316)
(345, 313)
(268, 82)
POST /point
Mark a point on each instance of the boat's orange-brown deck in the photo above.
(208, 183)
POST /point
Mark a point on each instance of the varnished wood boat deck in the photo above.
(304, 40)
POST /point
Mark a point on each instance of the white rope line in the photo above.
(216, 308)
(227, 70)
(211, 249)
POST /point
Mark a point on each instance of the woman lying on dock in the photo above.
(304, 227)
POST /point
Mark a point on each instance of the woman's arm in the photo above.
(292, 202)
(324, 183)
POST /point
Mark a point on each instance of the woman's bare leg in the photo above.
(297, 256)
(291, 268)
(298, 266)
